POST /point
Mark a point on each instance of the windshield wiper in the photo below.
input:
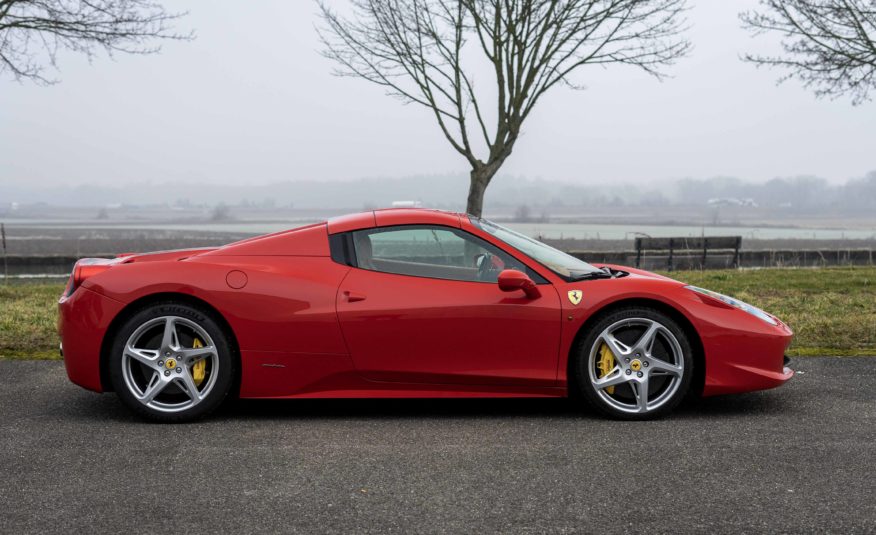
(603, 273)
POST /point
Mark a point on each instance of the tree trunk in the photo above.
(480, 179)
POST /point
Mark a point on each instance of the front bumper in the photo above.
(742, 352)
(744, 361)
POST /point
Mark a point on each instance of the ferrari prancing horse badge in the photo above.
(575, 296)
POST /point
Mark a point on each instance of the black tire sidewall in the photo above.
(581, 356)
(206, 321)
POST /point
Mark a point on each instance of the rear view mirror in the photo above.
(511, 280)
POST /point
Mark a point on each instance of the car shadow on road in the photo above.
(743, 404)
(109, 407)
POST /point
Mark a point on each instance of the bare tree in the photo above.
(428, 51)
(830, 45)
(33, 31)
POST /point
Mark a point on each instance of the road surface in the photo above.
(800, 458)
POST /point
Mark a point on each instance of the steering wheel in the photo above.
(485, 267)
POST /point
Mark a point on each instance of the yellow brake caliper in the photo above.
(200, 367)
(605, 364)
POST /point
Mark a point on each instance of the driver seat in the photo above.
(364, 251)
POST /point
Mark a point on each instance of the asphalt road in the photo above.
(797, 459)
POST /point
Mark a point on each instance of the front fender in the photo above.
(741, 352)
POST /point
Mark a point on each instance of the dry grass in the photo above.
(832, 310)
(28, 320)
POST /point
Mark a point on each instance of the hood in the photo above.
(637, 272)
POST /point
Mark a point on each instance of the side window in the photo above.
(430, 251)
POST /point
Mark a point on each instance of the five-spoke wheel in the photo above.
(171, 362)
(635, 363)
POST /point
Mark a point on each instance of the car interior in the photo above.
(430, 252)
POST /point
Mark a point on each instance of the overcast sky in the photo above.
(251, 100)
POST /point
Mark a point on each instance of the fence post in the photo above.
(5, 263)
(705, 249)
(671, 243)
(638, 252)
(736, 252)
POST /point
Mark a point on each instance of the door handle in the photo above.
(353, 297)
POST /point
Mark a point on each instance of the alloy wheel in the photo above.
(170, 364)
(636, 365)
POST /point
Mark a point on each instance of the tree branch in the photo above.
(31, 30)
(827, 44)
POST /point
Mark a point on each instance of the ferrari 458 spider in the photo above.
(404, 303)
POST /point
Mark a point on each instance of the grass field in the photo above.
(28, 320)
(832, 310)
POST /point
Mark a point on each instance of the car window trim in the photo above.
(349, 251)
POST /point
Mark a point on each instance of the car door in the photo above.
(421, 304)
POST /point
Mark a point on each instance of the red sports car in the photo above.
(404, 303)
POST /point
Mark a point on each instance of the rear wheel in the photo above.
(171, 362)
(635, 364)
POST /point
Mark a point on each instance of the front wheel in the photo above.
(171, 362)
(635, 364)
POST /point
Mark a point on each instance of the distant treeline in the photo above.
(805, 193)
(808, 193)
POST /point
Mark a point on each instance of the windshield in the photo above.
(563, 264)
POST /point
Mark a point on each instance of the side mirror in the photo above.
(511, 280)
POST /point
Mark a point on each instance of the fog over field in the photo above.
(798, 196)
(251, 102)
(245, 129)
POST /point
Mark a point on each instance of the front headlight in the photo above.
(736, 303)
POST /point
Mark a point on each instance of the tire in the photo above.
(172, 362)
(648, 353)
